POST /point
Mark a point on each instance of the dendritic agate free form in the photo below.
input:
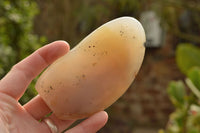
(95, 73)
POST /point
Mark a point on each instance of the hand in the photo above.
(15, 118)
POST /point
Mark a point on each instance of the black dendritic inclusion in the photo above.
(121, 33)
(102, 53)
(79, 79)
(51, 87)
(48, 90)
(90, 46)
(83, 75)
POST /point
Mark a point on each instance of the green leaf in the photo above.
(194, 76)
(187, 56)
(176, 91)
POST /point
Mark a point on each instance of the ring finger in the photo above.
(37, 108)
(42, 110)
(90, 125)
(60, 124)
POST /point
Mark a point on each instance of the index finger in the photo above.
(19, 77)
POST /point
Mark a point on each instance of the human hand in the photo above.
(15, 118)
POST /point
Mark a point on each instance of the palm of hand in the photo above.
(16, 119)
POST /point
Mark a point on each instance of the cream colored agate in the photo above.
(95, 73)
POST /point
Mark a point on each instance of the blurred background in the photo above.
(165, 95)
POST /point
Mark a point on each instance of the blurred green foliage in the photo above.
(186, 117)
(16, 38)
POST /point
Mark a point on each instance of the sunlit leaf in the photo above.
(194, 75)
(187, 56)
(176, 91)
